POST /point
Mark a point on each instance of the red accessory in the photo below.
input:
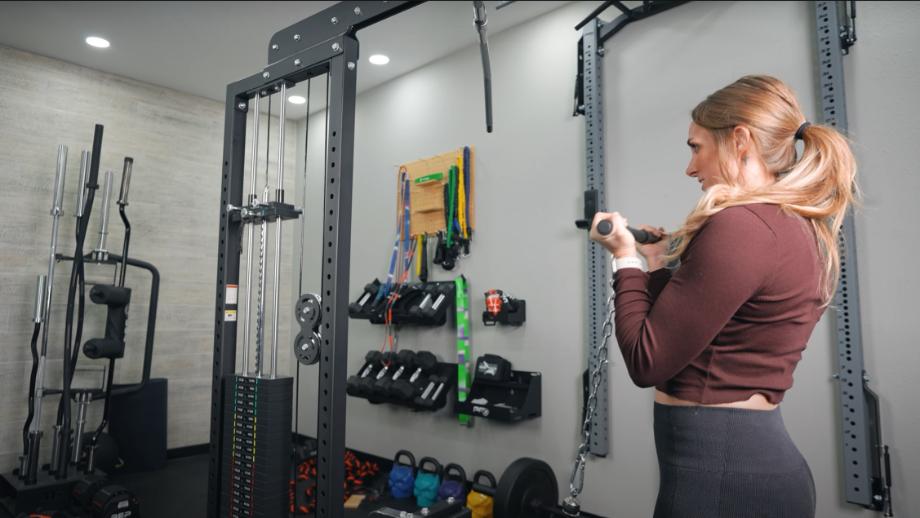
(494, 302)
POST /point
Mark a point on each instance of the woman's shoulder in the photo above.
(749, 217)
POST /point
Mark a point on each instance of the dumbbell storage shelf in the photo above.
(419, 304)
(431, 395)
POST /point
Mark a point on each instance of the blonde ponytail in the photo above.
(819, 186)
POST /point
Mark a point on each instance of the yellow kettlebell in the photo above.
(480, 500)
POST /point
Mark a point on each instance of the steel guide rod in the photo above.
(279, 197)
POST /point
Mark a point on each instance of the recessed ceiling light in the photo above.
(296, 99)
(96, 41)
(378, 59)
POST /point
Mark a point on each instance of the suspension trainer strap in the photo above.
(463, 345)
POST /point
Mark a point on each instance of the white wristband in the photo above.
(631, 261)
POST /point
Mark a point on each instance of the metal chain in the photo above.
(260, 316)
(578, 472)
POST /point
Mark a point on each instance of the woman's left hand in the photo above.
(620, 241)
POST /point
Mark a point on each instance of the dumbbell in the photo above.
(427, 482)
(114, 502)
(440, 294)
(454, 483)
(405, 389)
(84, 491)
(405, 360)
(370, 293)
(481, 498)
(368, 385)
(355, 385)
(429, 396)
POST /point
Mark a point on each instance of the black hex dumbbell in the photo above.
(405, 361)
(404, 388)
(369, 384)
(428, 399)
(355, 385)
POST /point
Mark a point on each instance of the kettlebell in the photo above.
(402, 476)
(454, 484)
(427, 482)
(481, 498)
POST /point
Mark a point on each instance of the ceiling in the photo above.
(201, 47)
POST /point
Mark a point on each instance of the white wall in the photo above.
(528, 193)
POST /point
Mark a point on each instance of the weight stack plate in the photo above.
(257, 452)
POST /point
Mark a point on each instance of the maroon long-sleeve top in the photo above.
(736, 315)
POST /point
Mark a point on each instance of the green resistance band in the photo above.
(430, 178)
(463, 346)
(452, 193)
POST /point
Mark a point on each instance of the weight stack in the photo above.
(257, 453)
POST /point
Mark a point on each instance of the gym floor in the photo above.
(181, 490)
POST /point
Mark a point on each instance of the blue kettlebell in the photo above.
(427, 482)
(402, 476)
(454, 484)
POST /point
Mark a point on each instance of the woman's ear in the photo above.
(742, 137)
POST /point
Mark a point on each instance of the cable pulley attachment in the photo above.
(308, 314)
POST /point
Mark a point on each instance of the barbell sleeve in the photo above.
(125, 181)
(85, 158)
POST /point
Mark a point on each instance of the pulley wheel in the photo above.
(307, 348)
(308, 311)
(525, 488)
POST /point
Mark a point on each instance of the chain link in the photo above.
(578, 472)
(260, 316)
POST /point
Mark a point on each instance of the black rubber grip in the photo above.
(104, 348)
(110, 295)
(605, 227)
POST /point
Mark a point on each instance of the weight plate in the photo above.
(307, 348)
(525, 487)
(308, 311)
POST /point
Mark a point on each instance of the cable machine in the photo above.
(242, 483)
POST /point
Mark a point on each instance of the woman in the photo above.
(719, 337)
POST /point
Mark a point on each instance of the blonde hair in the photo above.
(819, 186)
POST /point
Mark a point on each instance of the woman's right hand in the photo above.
(654, 252)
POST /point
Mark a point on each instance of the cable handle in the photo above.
(605, 227)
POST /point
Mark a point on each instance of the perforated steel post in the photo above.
(595, 174)
(859, 435)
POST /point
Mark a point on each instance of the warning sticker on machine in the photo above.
(232, 297)
(230, 315)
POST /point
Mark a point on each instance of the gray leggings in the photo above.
(729, 463)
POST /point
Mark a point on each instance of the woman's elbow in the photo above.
(644, 377)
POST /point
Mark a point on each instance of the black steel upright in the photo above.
(321, 44)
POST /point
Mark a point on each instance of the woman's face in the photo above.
(704, 157)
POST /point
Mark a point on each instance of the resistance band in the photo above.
(463, 346)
